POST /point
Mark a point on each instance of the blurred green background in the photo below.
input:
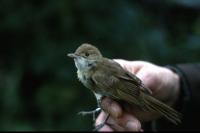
(39, 89)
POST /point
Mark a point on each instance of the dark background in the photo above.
(39, 89)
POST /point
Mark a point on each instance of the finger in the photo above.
(141, 130)
(129, 122)
(132, 66)
(133, 126)
(126, 123)
(128, 65)
(112, 107)
(149, 78)
(100, 119)
(114, 125)
(106, 128)
(122, 122)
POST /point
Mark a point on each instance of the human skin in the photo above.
(164, 85)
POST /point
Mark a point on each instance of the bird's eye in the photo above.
(86, 54)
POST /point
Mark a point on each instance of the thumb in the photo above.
(148, 78)
(131, 66)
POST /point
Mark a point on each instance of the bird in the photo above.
(107, 78)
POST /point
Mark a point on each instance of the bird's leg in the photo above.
(90, 112)
(102, 124)
(99, 99)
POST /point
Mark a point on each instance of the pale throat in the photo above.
(83, 66)
(83, 70)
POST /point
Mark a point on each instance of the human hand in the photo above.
(164, 85)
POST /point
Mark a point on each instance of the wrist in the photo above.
(176, 90)
(184, 91)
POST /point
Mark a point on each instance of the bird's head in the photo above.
(86, 56)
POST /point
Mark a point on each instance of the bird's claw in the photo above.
(83, 113)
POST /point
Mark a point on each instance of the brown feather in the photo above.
(127, 87)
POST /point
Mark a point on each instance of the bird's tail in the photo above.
(153, 104)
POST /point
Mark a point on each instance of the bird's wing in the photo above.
(126, 75)
(117, 88)
(129, 77)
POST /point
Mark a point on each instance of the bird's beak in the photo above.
(72, 55)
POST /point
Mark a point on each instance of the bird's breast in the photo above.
(84, 77)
